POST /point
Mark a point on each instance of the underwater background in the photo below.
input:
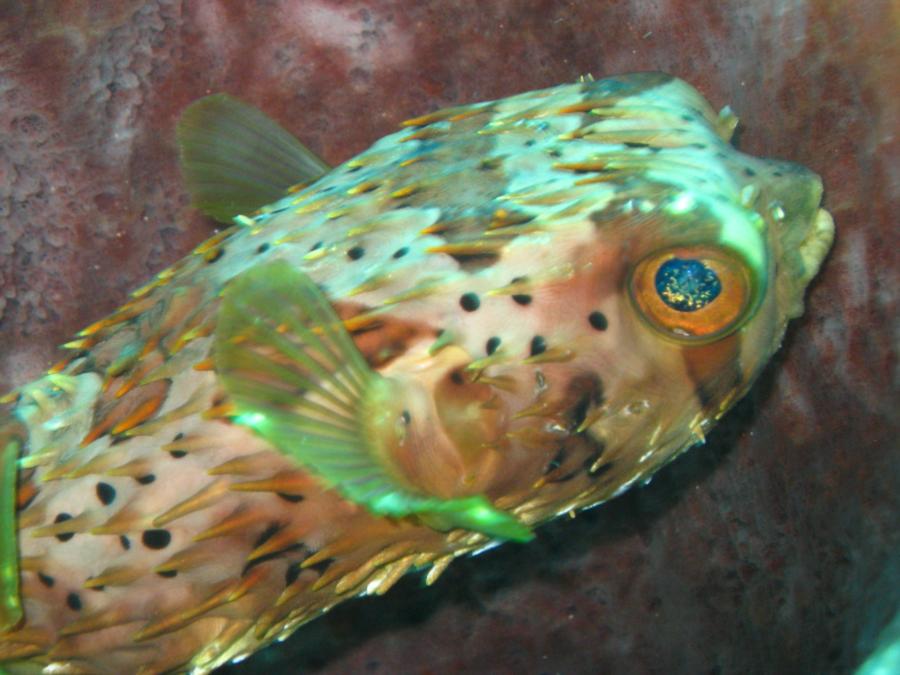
(775, 548)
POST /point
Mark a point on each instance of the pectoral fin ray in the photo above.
(297, 379)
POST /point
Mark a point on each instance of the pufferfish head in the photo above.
(712, 251)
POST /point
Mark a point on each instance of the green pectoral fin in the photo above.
(10, 604)
(235, 159)
(297, 379)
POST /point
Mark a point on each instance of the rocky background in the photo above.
(773, 549)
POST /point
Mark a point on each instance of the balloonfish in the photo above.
(502, 313)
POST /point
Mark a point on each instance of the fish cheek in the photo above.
(471, 416)
(715, 370)
(405, 433)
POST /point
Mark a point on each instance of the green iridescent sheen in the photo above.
(298, 381)
(10, 604)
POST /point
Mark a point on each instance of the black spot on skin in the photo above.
(599, 447)
(178, 436)
(400, 252)
(356, 253)
(270, 556)
(406, 417)
(585, 391)
(777, 174)
(687, 118)
(315, 247)
(178, 454)
(492, 344)
(293, 499)
(530, 142)
(579, 412)
(472, 262)
(106, 493)
(556, 462)
(292, 573)
(602, 469)
(322, 565)
(214, 255)
(146, 479)
(125, 542)
(267, 534)
(469, 302)
(46, 579)
(489, 164)
(598, 321)
(538, 345)
(262, 248)
(522, 299)
(456, 377)
(74, 602)
(554, 153)
(565, 477)
(749, 172)
(168, 574)
(156, 539)
(61, 518)
(632, 144)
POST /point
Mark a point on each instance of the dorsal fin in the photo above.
(297, 379)
(236, 159)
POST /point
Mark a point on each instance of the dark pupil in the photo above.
(687, 285)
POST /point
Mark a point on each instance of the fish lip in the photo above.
(815, 246)
(801, 237)
(801, 230)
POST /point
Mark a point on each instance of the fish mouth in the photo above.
(816, 244)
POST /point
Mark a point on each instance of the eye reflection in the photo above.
(686, 285)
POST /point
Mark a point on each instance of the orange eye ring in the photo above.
(694, 293)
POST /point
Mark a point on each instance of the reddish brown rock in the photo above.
(775, 548)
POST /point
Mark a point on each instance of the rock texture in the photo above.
(773, 549)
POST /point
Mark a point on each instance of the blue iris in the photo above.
(687, 285)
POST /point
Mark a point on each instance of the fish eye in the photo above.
(687, 284)
(693, 293)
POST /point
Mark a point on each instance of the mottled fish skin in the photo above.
(483, 253)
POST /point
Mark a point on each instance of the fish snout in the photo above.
(802, 231)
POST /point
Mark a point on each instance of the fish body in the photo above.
(502, 313)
